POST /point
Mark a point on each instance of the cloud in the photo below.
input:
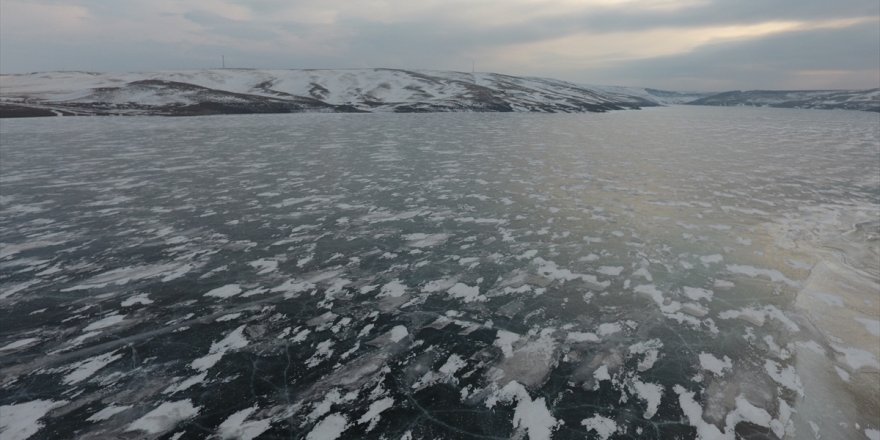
(845, 57)
(221, 26)
(638, 41)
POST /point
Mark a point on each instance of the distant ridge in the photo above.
(866, 100)
(223, 91)
(237, 91)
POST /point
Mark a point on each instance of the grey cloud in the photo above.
(443, 29)
(768, 62)
(440, 39)
(219, 25)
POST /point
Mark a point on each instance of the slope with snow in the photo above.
(284, 91)
(866, 100)
(659, 97)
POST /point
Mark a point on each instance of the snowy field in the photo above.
(682, 272)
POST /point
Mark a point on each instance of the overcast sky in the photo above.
(673, 44)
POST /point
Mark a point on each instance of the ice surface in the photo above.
(671, 273)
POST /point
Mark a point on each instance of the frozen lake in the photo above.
(683, 272)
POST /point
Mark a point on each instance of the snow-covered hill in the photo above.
(659, 97)
(867, 100)
(282, 91)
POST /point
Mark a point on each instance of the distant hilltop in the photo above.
(238, 91)
(866, 100)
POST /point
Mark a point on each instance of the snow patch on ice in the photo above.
(141, 298)
(85, 369)
(398, 333)
(871, 325)
(717, 366)
(235, 426)
(612, 271)
(394, 289)
(650, 350)
(785, 376)
(602, 426)
(857, 358)
(164, 417)
(373, 414)
(19, 343)
(466, 293)
(530, 415)
(581, 337)
(754, 272)
(186, 383)
(697, 294)
(757, 316)
(104, 323)
(264, 266)
(22, 420)
(329, 429)
(419, 240)
(226, 291)
(234, 340)
(124, 275)
(107, 412)
(651, 393)
(505, 340)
